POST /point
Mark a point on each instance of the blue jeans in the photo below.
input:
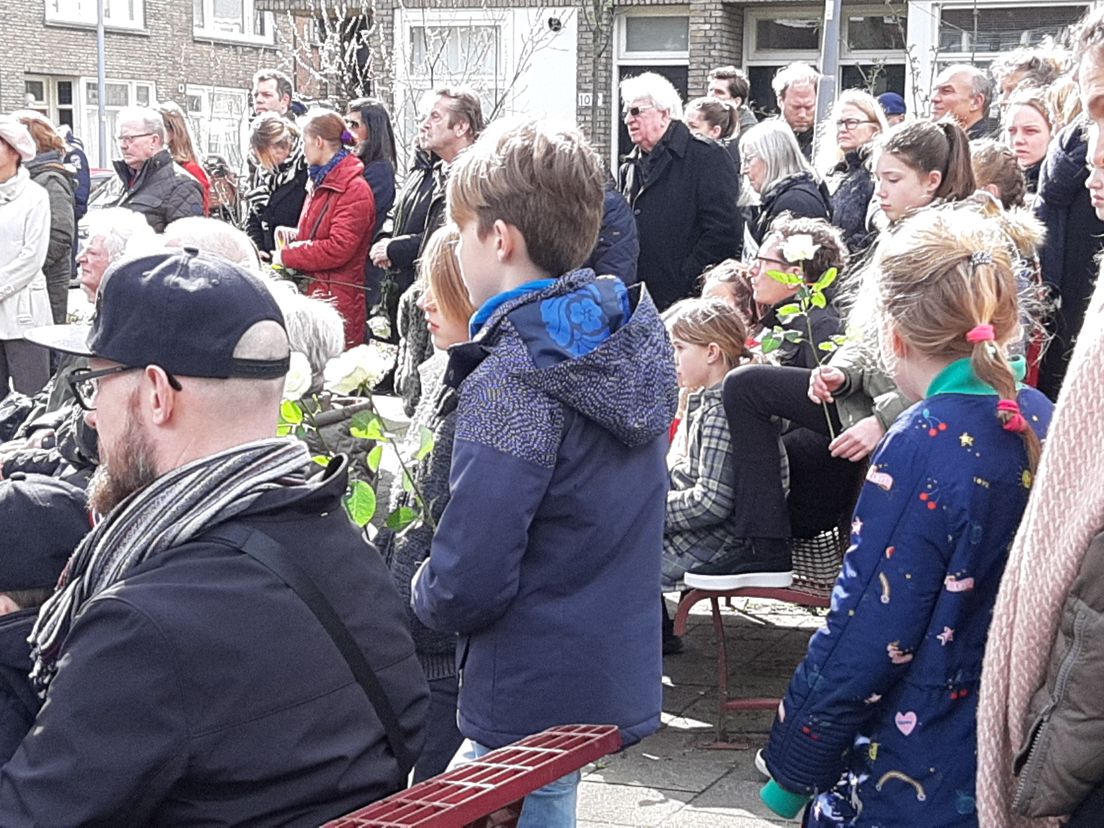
(442, 735)
(552, 806)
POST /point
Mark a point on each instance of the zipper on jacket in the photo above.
(1028, 769)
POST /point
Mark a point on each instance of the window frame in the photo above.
(84, 14)
(985, 56)
(625, 57)
(205, 30)
(205, 117)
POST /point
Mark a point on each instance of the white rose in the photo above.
(380, 326)
(342, 375)
(364, 365)
(298, 379)
(799, 248)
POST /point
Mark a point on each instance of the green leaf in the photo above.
(283, 430)
(401, 518)
(786, 311)
(793, 336)
(769, 345)
(425, 445)
(819, 300)
(361, 503)
(291, 412)
(322, 460)
(839, 339)
(367, 426)
(827, 279)
(407, 483)
(784, 277)
(827, 346)
(374, 458)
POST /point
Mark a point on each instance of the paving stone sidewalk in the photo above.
(674, 778)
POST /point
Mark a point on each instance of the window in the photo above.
(219, 118)
(872, 54)
(657, 34)
(452, 51)
(118, 14)
(237, 20)
(966, 31)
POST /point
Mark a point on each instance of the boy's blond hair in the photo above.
(543, 179)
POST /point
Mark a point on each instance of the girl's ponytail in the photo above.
(958, 173)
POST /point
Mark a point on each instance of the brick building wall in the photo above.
(165, 52)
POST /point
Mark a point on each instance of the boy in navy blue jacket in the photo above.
(547, 559)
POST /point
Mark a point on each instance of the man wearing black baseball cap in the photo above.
(223, 648)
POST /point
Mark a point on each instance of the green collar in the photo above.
(959, 378)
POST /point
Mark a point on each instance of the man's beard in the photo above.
(133, 469)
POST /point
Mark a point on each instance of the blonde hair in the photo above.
(271, 130)
(439, 271)
(1064, 98)
(942, 273)
(710, 322)
(1034, 97)
(544, 180)
(179, 137)
(829, 153)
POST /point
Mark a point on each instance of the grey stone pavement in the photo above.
(674, 777)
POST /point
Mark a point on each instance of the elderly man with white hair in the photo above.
(682, 189)
(154, 184)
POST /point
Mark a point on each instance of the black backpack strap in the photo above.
(273, 556)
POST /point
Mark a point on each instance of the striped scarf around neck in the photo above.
(174, 509)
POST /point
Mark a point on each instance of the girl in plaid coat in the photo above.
(709, 338)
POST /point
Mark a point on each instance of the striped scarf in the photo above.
(265, 182)
(177, 507)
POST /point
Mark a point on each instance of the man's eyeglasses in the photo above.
(850, 123)
(124, 140)
(634, 111)
(86, 383)
(782, 262)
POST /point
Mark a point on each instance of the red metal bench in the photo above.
(817, 563)
(489, 791)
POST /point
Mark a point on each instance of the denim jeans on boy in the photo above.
(552, 806)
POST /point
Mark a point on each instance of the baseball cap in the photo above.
(42, 520)
(183, 310)
(892, 103)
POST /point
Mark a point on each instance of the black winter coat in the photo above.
(618, 247)
(19, 704)
(683, 194)
(854, 186)
(202, 691)
(283, 209)
(799, 194)
(162, 191)
(408, 219)
(1074, 237)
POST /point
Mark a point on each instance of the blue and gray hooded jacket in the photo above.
(546, 560)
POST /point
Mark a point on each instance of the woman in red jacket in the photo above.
(335, 227)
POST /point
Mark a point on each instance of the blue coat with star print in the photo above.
(879, 720)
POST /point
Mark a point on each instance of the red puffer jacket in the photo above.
(335, 231)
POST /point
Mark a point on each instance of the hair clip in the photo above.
(1016, 422)
(980, 333)
(981, 257)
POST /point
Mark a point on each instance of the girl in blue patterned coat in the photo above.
(878, 724)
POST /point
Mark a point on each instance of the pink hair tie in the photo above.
(980, 333)
(1016, 422)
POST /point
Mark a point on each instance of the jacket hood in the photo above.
(1063, 174)
(47, 164)
(600, 349)
(317, 493)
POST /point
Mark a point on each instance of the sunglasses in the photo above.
(634, 111)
